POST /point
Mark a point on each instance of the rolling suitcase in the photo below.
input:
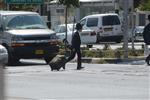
(58, 62)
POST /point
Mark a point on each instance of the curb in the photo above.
(110, 60)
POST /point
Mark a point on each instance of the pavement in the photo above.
(95, 82)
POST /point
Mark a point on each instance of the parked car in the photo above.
(26, 35)
(3, 56)
(88, 36)
(137, 33)
(108, 26)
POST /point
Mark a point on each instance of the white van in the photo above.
(107, 26)
(26, 35)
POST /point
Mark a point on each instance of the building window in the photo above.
(60, 11)
(142, 18)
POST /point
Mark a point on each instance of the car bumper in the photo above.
(35, 51)
(3, 58)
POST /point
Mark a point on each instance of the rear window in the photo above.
(111, 20)
(92, 22)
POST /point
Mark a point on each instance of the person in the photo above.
(75, 45)
(146, 36)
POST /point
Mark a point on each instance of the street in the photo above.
(33, 80)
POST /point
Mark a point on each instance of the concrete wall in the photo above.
(141, 18)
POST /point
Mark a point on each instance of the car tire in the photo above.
(11, 60)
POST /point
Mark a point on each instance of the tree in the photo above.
(68, 4)
(145, 5)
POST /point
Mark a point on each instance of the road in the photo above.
(33, 80)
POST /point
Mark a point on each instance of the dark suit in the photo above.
(146, 36)
(76, 42)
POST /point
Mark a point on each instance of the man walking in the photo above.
(75, 44)
(146, 36)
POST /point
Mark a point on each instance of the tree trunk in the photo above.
(66, 27)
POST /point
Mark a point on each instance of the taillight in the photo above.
(93, 33)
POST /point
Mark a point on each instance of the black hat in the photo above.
(78, 26)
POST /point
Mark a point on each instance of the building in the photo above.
(87, 7)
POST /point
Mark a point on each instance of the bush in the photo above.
(110, 53)
(106, 52)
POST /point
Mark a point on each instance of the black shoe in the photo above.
(147, 61)
(79, 68)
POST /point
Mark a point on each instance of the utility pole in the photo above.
(1, 83)
(132, 20)
(116, 6)
(125, 26)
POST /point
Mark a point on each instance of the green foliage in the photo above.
(118, 53)
(136, 52)
(24, 7)
(69, 3)
(145, 6)
(104, 53)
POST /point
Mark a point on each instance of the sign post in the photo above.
(125, 25)
(24, 1)
(37, 2)
(1, 83)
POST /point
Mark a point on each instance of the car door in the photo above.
(88, 36)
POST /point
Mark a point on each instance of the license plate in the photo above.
(107, 29)
(39, 52)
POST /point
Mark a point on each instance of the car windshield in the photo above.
(24, 22)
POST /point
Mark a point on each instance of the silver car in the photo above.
(3, 56)
(137, 33)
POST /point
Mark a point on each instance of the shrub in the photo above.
(103, 53)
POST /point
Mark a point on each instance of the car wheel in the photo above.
(12, 60)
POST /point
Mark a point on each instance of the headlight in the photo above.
(16, 38)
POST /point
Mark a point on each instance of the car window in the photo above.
(92, 22)
(110, 20)
(82, 22)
